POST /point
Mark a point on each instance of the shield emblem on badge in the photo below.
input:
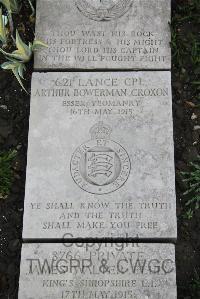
(100, 167)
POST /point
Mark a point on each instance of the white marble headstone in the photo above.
(104, 34)
(100, 157)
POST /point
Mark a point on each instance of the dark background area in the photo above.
(14, 114)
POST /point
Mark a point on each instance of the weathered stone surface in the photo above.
(100, 156)
(106, 34)
(98, 271)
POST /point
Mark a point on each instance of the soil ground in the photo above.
(14, 114)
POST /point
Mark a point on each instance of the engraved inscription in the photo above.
(104, 34)
(80, 180)
(98, 271)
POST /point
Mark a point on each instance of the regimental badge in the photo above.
(103, 10)
(100, 165)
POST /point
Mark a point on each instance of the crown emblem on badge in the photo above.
(100, 131)
(100, 165)
(106, 3)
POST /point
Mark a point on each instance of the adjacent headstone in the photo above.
(100, 157)
(104, 34)
(98, 271)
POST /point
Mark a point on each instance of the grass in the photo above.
(6, 172)
(195, 284)
(192, 178)
(185, 46)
